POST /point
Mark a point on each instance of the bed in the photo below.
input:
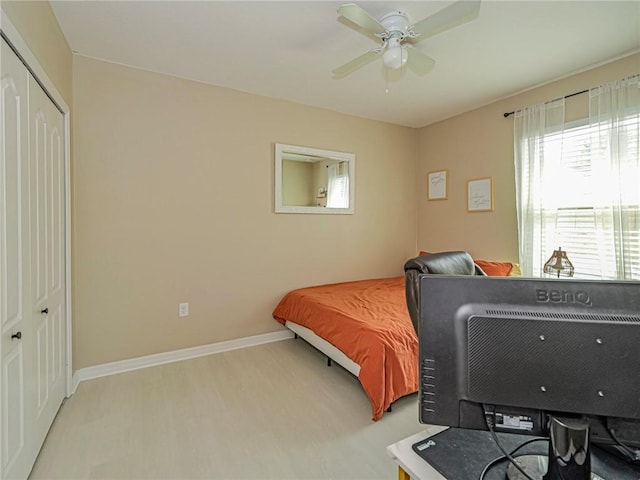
(365, 327)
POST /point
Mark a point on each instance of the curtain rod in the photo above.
(508, 114)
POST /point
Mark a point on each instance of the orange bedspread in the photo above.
(369, 322)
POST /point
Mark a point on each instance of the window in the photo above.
(578, 187)
(578, 199)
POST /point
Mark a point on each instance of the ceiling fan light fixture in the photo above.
(395, 27)
(395, 57)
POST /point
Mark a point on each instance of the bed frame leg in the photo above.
(328, 362)
(389, 409)
(295, 335)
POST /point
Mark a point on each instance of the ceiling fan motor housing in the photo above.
(395, 22)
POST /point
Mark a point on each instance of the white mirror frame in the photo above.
(350, 158)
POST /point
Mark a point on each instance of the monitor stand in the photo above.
(569, 455)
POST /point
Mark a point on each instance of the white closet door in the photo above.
(47, 306)
(16, 354)
(32, 261)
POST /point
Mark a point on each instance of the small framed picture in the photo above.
(480, 195)
(437, 185)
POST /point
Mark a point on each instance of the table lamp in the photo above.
(559, 264)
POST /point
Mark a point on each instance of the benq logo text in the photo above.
(563, 296)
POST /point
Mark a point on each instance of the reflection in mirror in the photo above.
(310, 180)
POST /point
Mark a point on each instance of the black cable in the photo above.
(632, 455)
(489, 421)
(512, 453)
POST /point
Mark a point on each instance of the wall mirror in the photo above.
(309, 180)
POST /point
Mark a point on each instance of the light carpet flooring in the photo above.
(275, 411)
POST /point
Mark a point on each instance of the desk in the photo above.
(410, 465)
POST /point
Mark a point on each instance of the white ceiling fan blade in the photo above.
(356, 63)
(417, 61)
(360, 17)
(455, 14)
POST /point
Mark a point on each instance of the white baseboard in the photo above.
(122, 366)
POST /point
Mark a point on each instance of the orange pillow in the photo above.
(423, 253)
(495, 269)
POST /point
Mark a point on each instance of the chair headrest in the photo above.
(446, 263)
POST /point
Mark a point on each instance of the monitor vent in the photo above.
(526, 362)
(566, 316)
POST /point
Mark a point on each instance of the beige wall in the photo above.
(39, 28)
(479, 143)
(174, 203)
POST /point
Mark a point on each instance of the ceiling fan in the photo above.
(398, 35)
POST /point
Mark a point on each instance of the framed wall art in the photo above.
(480, 195)
(437, 185)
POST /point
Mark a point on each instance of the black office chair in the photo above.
(443, 263)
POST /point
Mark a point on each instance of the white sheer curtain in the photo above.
(614, 119)
(578, 184)
(534, 155)
(338, 186)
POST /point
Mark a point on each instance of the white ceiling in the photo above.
(287, 49)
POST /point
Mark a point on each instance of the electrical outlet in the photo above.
(183, 309)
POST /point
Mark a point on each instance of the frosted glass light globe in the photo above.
(394, 57)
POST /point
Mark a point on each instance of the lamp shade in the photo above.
(559, 264)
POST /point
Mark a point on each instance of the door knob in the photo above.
(16, 335)
(45, 311)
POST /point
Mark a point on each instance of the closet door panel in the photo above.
(42, 362)
(39, 250)
(13, 414)
(56, 204)
(39, 207)
(56, 372)
(12, 212)
(56, 281)
(47, 253)
(16, 454)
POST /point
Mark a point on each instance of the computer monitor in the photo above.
(516, 354)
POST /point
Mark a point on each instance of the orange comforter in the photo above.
(368, 321)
